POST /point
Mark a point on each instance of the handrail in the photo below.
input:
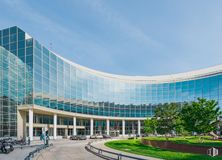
(37, 150)
(100, 152)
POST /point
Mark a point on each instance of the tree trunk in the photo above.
(200, 139)
(167, 138)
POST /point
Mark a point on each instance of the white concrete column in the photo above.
(54, 126)
(91, 127)
(107, 126)
(123, 127)
(21, 124)
(31, 124)
(74, 126)
(66, 132)
(139, 127)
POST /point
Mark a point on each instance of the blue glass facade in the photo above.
(41, 77)
(64, 86)
(15, 78)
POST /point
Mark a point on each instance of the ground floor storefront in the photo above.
(34, 120)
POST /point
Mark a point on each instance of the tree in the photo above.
(150, 125)
(179, 127)
(167, 117)
(200, 116)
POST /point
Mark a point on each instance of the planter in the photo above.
(179, 147)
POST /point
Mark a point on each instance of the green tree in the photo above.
(167, 117)
(179, 127)
(150, 125)
(200, 116)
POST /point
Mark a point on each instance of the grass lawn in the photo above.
(192, 140)
(134, 146)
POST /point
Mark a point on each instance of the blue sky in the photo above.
(130, 37)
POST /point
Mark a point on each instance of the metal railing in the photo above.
(108, 154)
(37, 150)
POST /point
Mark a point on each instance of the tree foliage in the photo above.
(200, 116)
(167, 116)
(150, 126)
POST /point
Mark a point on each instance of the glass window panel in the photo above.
(13, 30)
(6, 32)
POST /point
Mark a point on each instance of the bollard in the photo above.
(32, 155)
(100, 151)
(119, 156)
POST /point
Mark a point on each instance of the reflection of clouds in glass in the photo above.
(16, 72)
(61, 84)
(109, 95)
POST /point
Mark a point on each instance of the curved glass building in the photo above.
(40, 90)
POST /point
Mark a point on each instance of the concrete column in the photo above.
(74, 126)
(107, 126)
(66, 132)
(139, 127)
(21, 124)
(123, 127)
(91, 127)
(54, 126)
(24, 126)
(31, 124)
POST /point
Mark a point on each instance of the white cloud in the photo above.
(28, 12)
(71, 38)
(120, 22)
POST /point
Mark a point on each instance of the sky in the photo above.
(129, 37)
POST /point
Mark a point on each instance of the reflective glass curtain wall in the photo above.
(15, 77)
(49, 80)
(12, 88)
(63, 85)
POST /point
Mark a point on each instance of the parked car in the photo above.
(99, 137)
(144, 135)
(73, 137)
(93, 137)
(137, 135)
(106, 136)
(78, 137)
(82, 137)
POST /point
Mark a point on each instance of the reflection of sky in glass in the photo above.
(61, 85)
(14, 90)
(71, 84)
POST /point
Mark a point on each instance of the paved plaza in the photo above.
(65, 149)
(75, 150)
